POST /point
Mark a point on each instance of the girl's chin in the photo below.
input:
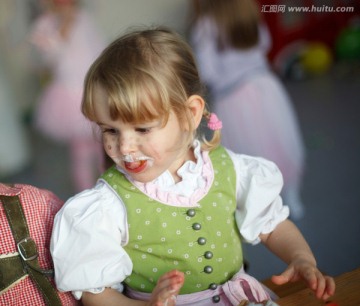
(143, 177)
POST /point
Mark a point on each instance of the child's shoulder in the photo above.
(100, 196)
(250, 166)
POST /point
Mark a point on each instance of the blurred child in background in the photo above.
(15, 152)
(231, 44)
(14, 148)
(67, 41)
(26, 220)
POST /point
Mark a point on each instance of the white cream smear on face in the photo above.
(129, 158)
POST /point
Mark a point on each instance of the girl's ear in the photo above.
(196, 105)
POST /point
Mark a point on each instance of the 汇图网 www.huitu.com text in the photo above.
(305, 9)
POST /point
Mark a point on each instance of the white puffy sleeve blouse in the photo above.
(91, 228)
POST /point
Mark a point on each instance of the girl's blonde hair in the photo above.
(146, 74)
(237, 20)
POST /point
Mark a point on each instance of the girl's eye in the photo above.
(109, 131)
(143, 130)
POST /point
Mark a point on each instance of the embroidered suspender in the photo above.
(14, 268)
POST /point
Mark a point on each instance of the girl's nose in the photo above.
(127, 144)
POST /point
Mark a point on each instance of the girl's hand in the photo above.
(167, 288)
(322, 285)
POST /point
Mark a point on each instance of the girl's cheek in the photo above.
(112, 147)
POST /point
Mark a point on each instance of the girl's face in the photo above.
(145, 150)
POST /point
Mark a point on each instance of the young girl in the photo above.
(165, 223)
(231, 43)
(68, 42)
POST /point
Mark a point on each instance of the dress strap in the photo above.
(25, 262)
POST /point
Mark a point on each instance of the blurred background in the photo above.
(317, 56)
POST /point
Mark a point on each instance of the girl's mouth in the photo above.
(135, 166)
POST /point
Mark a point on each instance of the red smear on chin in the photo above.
(135, 167)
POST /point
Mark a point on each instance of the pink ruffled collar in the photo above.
(197, 178)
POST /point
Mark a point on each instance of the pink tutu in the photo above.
(58, 114)
(258, 119)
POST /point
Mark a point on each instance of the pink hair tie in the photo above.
(214, 123)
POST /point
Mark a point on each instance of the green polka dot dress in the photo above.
(202, 241)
